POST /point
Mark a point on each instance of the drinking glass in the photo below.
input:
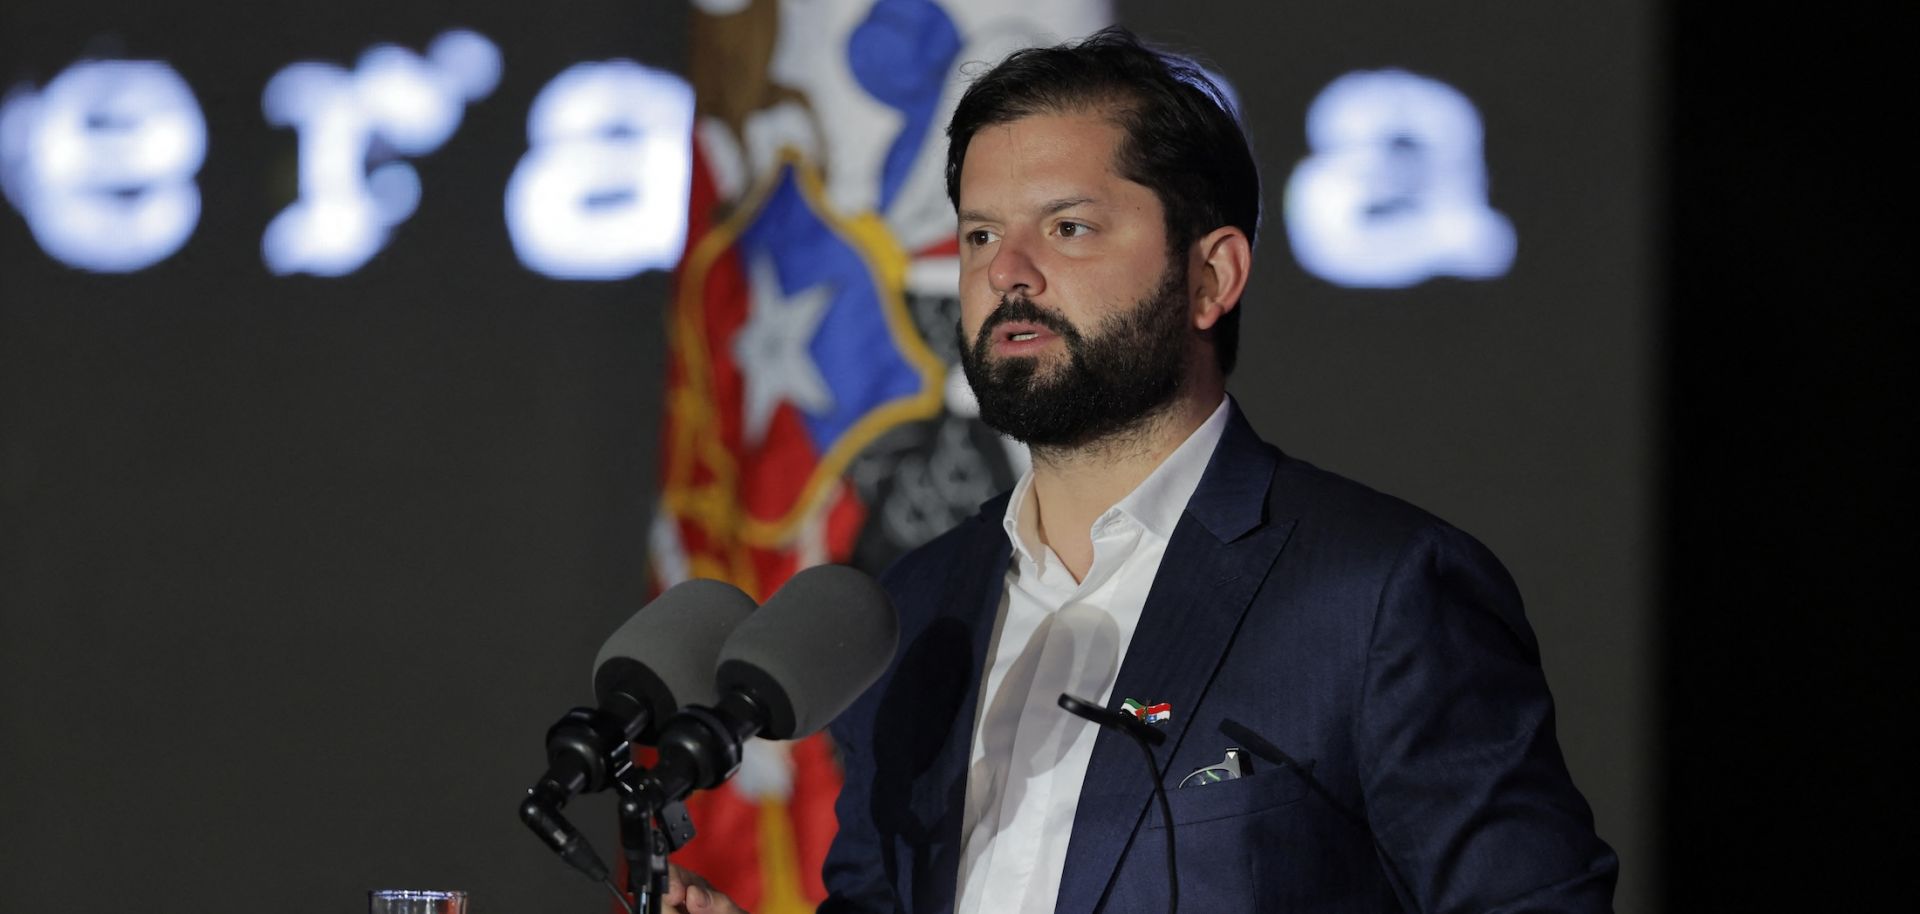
(415, 901)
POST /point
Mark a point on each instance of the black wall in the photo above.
(1790, 464)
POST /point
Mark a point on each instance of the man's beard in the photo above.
(1128, 370)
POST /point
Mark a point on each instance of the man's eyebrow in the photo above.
(1064, 203)
(1048, 208)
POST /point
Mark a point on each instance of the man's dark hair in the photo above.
(1183, 141)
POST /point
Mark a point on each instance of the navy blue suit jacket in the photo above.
(1378, 647)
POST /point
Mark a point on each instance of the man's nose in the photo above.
(1014, 270)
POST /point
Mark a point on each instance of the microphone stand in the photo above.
(649, 831)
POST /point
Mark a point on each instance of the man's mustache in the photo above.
(1023, 310)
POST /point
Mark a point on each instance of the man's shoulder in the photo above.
(1352, 525)
(1249, 470)
(1349, 524)
(1325, 498)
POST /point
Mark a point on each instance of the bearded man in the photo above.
(1350, 681)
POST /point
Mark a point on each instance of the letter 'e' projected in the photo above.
(602, 190)
(1394, 190)
(355, 126)
(101, 163)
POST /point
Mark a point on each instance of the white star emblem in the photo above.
(771, 349)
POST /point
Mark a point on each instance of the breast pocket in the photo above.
(1260, 791)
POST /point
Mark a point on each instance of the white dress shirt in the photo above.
(1057, 635)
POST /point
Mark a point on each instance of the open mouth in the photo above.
(1017, 332)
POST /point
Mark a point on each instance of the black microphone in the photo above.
(657, 661)
(784, 673)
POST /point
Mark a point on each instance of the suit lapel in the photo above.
(1220, 553)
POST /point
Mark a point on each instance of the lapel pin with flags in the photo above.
(1155, 713)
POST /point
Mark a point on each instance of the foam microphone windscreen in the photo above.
(819, 641)
(663, 658)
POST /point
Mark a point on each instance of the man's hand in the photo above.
(688, 893)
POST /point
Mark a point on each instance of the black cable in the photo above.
(622, 896)
(1166, 817)
(1260, 746)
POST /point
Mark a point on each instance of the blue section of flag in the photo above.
(854, 349)
(901, 54)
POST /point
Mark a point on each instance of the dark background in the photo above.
(297, 571)
(1789, 461)
(294, 572)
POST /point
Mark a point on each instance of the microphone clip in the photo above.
(649, 831)
(588, 750)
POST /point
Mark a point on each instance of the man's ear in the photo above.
(1217, 274)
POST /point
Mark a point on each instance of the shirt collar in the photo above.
(1156, 503)
(1023, 529)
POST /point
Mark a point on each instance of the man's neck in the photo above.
(1072, 487)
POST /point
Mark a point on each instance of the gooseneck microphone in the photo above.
(786, 672)
(1146, 737)
(660, 659)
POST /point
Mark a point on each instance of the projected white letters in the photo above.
(602, 190)
(1394, 190)
(354, 127)
(101, 163)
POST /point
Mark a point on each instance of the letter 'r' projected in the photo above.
(601, 193)
(1394, 190)
(101, 163)
(355, 126)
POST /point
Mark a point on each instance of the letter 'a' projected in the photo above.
(1394, 189)
(601, 193)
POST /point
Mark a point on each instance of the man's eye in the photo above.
(1071, 229)
(978, 237)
